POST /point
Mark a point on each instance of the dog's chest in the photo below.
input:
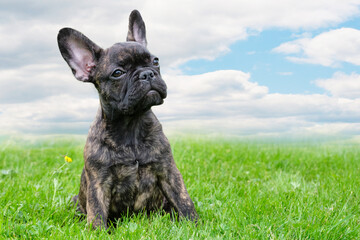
(134, 188)
(130, 174)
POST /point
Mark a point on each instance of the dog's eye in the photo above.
(156, 62)
(117, 73)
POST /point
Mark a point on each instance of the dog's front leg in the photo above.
(97, 204)
(173, 187)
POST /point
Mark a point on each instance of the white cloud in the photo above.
(221, 101)
(231, 93)
(207, 30)
(234, 104)
(342, 85)
(177, 30)
(59, 113)
(211, 86)
(328, 49)
(38, 81)
(39, 94)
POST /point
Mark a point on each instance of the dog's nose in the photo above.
(146, 75)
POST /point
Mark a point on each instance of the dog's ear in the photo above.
(137, 31)
(79, 52)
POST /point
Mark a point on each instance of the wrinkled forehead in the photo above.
(128, 52)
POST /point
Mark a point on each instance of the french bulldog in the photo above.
(128, 163)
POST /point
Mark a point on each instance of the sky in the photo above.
(247, 68)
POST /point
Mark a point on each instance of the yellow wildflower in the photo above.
(67, 159)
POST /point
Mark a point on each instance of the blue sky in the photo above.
(256, 56)
(249, 68)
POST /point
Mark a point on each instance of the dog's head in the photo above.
(126, 75)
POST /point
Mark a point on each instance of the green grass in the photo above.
(241, 190)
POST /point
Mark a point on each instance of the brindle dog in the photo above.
(128, 166)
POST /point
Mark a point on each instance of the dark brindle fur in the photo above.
(129, 166)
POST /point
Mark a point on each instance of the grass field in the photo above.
(241, 190)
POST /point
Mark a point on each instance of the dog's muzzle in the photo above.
(156, 83)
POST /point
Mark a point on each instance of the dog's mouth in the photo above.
(140, 99)
(154, 97)
(153, 93)
(151, 98)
